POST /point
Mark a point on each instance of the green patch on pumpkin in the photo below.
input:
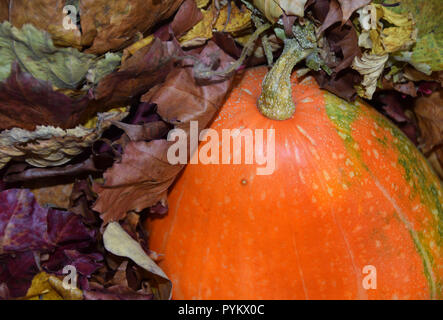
(417, 173)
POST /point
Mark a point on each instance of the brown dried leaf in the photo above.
(429, 112)
(45, 15)
(139, 181)
(4, 10)
(187, 16)
(143, 176)
(334, 15)
(349, 6)
(145, 68)
(112, 25)
(51, 195)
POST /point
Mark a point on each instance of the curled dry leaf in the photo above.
(47, 287)
(50, 146)
(113, 25)
(370, 66)
(120, 243)
(384, 31)
(144, 174)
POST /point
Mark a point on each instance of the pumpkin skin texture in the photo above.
(349, 190)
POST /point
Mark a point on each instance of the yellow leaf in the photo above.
(41, 289)
(201, 32)
(129, 51)
(92, 123)
(388, 31)
(239, 21)
(67, 294)
(202, 3)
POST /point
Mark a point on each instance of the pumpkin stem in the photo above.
(275, 101)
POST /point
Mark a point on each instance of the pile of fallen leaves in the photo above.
(89, 90)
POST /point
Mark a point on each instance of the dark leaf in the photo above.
(341, 84)
(26, 102)
(24, 225)
(16, 273)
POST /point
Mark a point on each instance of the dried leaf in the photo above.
(436, 161)
(427, 53)
(342, 85)
(349, 6)
(334, 15)
(85, 264)
(51, 146)
(429, 112)
(113, 25)
(385, 31)
(343, 41)
(34, 103)
(116, 292)
(37, 55)
(46, 15)
(273, 9)
(238, 22)
(47, 287)
(187, 17)
(20, 175)
(4, 10)
(24, 225)
(41, 289)
(145, 68)
(67, 294)
(118, 242)
(139, 181)
(17, 272)
(370, 66)
(51, 195)
(144, 174)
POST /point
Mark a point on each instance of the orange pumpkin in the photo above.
(352, 210)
